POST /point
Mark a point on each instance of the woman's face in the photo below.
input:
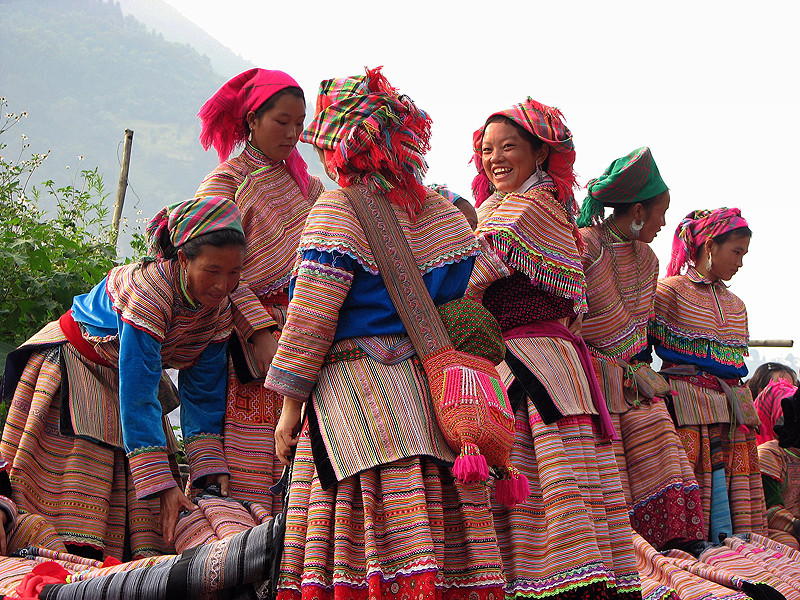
(507, 158)
(213, 273)
(726, 258)
(654, 218)
(276, 132)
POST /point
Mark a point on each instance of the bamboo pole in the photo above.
(122, 187)
(771, 343)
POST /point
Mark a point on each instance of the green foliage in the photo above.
(46, 260)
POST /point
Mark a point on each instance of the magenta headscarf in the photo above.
(698, 227)
(768, 405)
(222, 117)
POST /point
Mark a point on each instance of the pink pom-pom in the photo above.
(470, 466)
(744, 429)
(513, 490)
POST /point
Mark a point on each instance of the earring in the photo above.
(709, 262)
(636, 227)
(539, 173)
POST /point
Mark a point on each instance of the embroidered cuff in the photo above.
(205, 456)
(287, 384)
(7, 506)
(151, 471)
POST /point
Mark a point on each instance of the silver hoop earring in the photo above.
(636, 228)
(709, 262)
(539, 173)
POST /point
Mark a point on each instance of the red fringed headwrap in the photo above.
(370, 133)
(547, 124)
(698, 227)
(222, 117)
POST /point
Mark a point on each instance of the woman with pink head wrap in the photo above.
(262, 111)
(699, 330)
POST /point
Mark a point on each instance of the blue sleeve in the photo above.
(202, 392)
(139, 374)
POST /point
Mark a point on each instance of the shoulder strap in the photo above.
(399, 271)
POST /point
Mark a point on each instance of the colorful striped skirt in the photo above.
(713, 448)
(82, 489)
(661, 489)
(399, 530)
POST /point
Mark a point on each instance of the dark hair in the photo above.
(218, 239)
(763, 374)
(273, 100)
(739, 232)
(620, 210)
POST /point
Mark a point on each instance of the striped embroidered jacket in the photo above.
(273, 214)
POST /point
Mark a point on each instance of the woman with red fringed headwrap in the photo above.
(373, 508)
(572, 537)
(700, 332)
(262, 111)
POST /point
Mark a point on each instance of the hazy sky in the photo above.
(710, 86)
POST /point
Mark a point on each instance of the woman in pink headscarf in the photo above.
(263, 111)
(700, 333)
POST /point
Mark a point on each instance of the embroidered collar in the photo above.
(615, 232)
(256, 157)
(696, 276)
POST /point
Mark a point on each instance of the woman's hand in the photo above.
(173, 500)
(288, 429)
(223, 481)
(264, 347)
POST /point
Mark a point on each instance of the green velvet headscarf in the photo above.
(627, 180)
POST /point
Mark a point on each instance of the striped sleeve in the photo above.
(249, 315)
(488, 269)
(322, 283)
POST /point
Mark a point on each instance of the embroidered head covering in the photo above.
(547, 124)
(372, 134)
(627, 180)
(698, 227)
(191, 218)
(222, 117)
(445, 192)
(768, 405)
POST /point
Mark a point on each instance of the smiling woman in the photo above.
(106, 357)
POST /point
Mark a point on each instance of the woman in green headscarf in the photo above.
(621, 273)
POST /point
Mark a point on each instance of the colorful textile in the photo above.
(216, 519)
(627, 180)
(768, 405)
(547, 124)
(695, 229)
(515, 301)
(445, 192)
(223, 117)
(374, 135)
(532, 233)
(273, 213)
(782, 465)
(405, 529)
(192, 218)
(572, 532)
(701, 323)
(621, 277)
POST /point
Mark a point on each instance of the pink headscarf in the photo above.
(698, 227)
(768, 405)
(222, 117)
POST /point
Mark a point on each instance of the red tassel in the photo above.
(470, 466)
(513, 490)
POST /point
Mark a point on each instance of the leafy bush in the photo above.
(46, 258)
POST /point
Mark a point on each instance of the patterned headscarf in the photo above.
(768, 405)
(372, 134)
(627, 180)
(547, 124)
(698, 227)
(222, 117)
(191, 218)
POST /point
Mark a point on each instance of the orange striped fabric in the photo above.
(695, 317)
(274, 211)
(533, 233)
(620, 299)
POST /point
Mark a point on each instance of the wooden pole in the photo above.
(122, 187)
(771, 343)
